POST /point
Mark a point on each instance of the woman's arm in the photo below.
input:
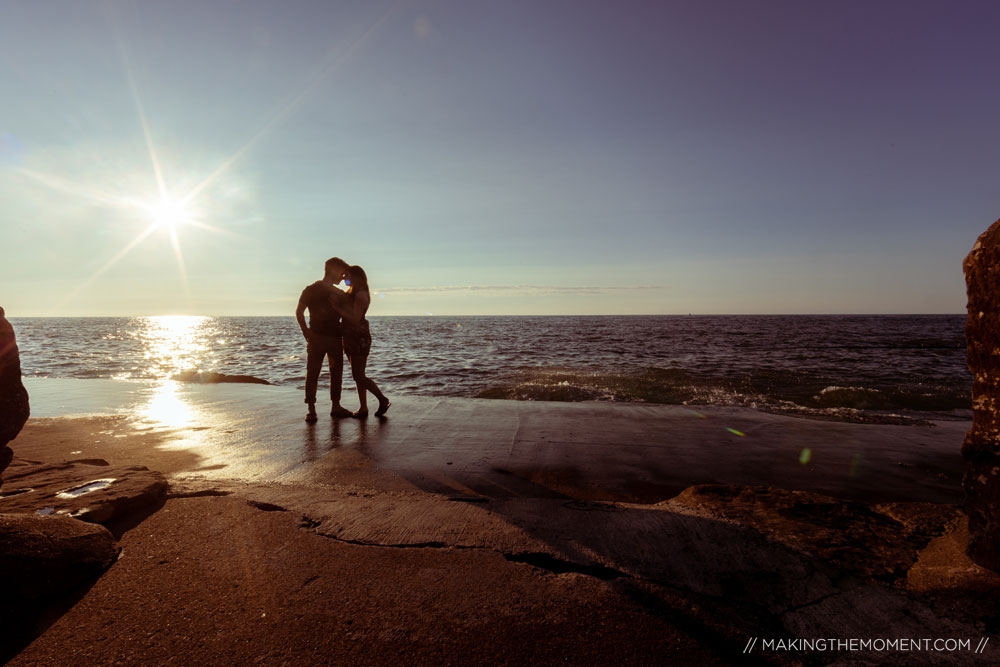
(352, 310)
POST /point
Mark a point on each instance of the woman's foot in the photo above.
(383, 407)
(360, 414)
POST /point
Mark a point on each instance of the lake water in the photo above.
(857, 368)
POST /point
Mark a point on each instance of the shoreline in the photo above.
(523, 388)
(592, 450)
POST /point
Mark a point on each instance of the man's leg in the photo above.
(314, 365)
(335, 354)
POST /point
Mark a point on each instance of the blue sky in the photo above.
(497, 157)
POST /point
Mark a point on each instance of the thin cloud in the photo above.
(530, 290)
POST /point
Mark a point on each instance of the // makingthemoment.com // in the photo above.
(878, 644)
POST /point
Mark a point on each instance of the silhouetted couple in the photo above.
(337, 326)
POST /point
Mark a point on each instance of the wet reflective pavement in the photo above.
(470, 448)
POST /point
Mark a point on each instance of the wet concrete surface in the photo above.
(514, 449)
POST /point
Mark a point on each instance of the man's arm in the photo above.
(337, 302)
(300, 317)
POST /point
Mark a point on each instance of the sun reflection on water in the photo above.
(174, 343)
(165, 408)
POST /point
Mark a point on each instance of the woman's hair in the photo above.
(358, 277)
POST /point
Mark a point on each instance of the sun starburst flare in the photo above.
(169, 213)
(172, 208)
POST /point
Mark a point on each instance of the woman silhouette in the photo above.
(352, 306)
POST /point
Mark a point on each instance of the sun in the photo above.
(169, 214)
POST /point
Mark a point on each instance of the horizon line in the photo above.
(706, 314)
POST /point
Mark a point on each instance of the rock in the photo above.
(871, 542)
(46, 556)
(14, 408)
(94, 493)
(981, 448)
(216, 378)
(6, 456)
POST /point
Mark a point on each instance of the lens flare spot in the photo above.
(855, 465)
(735, 432)
(805, 455)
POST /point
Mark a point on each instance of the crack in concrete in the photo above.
(402, 545)
(697, 626)
(819, 600)
(557, 565)
(197, 494)
(266, 507)
(537, 559)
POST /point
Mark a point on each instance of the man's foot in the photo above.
(311, 417)
(360, 414)
(383, 407)
(339, 412)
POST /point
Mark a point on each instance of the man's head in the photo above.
(335, 269)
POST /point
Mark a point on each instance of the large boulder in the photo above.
(45, 557)
(14, 408)
(88, 489)
(981, 448)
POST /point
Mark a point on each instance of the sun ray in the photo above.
(69, 187)
(107, 265)
(133, 89)
(292, 102)
(153, 158)
(175, 242)
(167, 212)
(216, 230)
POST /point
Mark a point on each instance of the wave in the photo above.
(864, 398)
(654, 386)
(768, 389)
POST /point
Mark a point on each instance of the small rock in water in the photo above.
(217, 378)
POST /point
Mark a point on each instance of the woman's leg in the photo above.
(369, 384)
(358, 363)
(373, 388)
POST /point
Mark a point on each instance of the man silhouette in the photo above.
(323, 336)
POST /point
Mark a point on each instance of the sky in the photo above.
(515, 157)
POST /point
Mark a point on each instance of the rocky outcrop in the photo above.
(44, 557)
(207, 377)
(13, 396)
(95, 493)
(878, 542)
(981, 448)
